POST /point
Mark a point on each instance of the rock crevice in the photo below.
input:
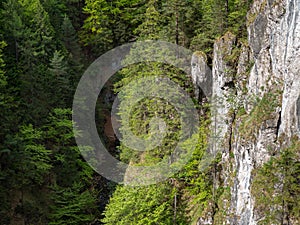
(256, 99)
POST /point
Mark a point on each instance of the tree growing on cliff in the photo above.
(276, 187)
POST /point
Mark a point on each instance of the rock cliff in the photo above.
(256, 91)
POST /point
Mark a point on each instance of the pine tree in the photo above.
(219, 16)
(96, 26)
(213, 23)
(74, 11)
(38, 43)
(56, 10)
(27, 168)
(32, 159)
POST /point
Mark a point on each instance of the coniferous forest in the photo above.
(45, 47)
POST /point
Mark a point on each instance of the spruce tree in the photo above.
(59, 82)
(72, 193)
(174, 14)
(4, 152)
(72, 205)
(70, 40)
(3, 85)
(74, 53)
(151, 27)
(12, 24)
(30, 37)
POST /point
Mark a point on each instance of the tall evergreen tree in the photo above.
(74, 57)
(30, 38)
(69, 38)
(59, 82)
(175, 14)
(4, 152)
(3, 84)
(12, 26)
(219, 16)
(72, 205)
(73, 196)
(150, 28)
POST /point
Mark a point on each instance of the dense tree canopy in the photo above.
(45, 45)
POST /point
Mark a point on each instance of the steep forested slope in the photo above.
(45, 47)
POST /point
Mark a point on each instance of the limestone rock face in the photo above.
(223, 89)
(201, 75)
(267, 67)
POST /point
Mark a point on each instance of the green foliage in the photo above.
(33, 159)
(43, 158)
(66, 155)
(56, 10)
(142, 205)
(219, 16)
(263, 110)
(38, 150)
(276, 187)
(59, 81)
(14, 25)
(237, 17)
(4, 151)
(110, 23)
(38, 34)
(69, 37)
(30, 160)
(26, 168)
(181, 18)
(3, 85)
(150, 107)
(199, 179)
(72, 202)
(43, 177)
(30, 39)
(2, 74)
(149, 29)
(73, 205)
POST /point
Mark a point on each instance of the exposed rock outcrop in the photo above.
(266, 69)
(201, 76)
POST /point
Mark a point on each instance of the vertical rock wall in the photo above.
(247, 79)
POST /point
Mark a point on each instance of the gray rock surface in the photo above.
(270, 63)
(201, 75)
